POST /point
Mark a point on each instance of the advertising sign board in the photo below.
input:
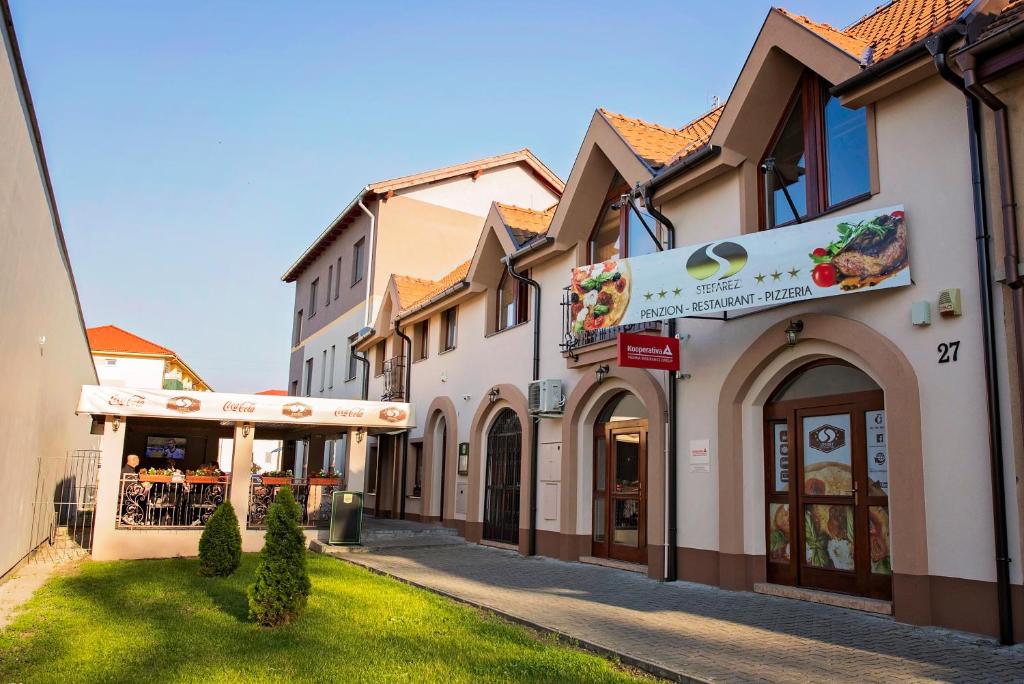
(648, 351)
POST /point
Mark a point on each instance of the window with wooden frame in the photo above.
(380, 353)
(449, 328)
(512, 302)
(620, 232)
(337, 283)
(351, 371)
(421, 338)
(312, 296)
(358, 256)
(817, 160)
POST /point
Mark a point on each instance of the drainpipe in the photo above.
(532, 540)
(671, 573)
(371, 251)
(407, 345)
(938, 46)
(365, 363)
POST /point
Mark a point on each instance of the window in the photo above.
(323, 372)
(378, 362)
(512, 299)
(449, 320)
(330, 372)
(337, 283)
(295, 388)
(330, 282)
(111, 362)
(421, 340)
(818, 158)
(309, 377)
(350, 373)
(312, 296)
(297, 331)
(417, 471)
(358, 255)
(621, 233)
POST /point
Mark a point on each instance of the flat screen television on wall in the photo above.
(166, 447)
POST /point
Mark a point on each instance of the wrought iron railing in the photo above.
(394, 379)
(312, 494)
(168, 501)
(573, 341)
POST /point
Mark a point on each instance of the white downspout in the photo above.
(372, 256)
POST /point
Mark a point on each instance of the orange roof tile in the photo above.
(524, 155)
(1011, 14)
(525, 224)
(659, 146)
(413, 292)
(110, 338)
(888, 29)
(274, 393)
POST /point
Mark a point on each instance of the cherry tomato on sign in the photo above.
(897, 215)
(824, 275)
(819, 252)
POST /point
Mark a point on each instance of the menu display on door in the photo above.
(878, 453)
(781, 442)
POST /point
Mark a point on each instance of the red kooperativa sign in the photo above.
(648, 351)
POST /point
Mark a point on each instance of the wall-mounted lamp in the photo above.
(245, 430)
(359, 436)
(795, 328)
(492, 396)
(601, 372)
(117, 423)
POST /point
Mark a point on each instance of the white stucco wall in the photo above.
(512, 184)
(128, 371)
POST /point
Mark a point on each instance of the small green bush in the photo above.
(220, 547)
(282, 582)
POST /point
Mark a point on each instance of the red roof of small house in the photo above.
(274, 393)
(110, 338)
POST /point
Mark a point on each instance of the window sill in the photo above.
(356, 282)
(445, 351)
(420, 359)
(350, 379)
(511, 327)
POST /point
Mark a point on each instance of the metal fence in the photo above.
(312, 494)
(63, 505)
(168, 502)
(573, 340)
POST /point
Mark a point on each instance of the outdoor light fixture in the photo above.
(245, 430)
(601, 372)
(117, 423)
(795, 328)
(359, 436)
(492, 396)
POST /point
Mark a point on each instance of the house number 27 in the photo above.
(948, 351)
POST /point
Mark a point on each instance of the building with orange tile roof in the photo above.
(124, 359)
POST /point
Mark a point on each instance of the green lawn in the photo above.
(158, 621)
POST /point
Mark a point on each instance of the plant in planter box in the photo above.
(277, 477)
(329, 477)
(204, 475)
(282, 582)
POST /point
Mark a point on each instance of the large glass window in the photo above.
(818, 158)
(449, 322)
(512, 298)
(621, 233)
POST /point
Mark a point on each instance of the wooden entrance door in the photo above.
(827, 513)
(501, 492)
(620, 491)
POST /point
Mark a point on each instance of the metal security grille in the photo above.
(63, 507)
(501, 496)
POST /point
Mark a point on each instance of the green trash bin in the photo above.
(346, 518)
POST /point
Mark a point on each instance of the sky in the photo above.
(197, 148)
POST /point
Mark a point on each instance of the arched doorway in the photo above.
(620, 480)
(501, 481)
(827, 481)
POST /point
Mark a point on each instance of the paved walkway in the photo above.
(693, 631)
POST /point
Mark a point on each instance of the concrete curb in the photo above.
(568, 639)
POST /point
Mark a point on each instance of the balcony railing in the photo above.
(312, 494)
(573, 341)
(394, 379)
(168, 501)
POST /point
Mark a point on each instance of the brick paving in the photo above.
(693, 632)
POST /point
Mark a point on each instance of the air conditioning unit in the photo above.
(546, 397)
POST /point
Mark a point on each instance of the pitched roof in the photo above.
(525, 224)
(382, 188)
(1011, 14)
(110, 338)
(888, 29)
(274, 393)
(659, 146)
(414, 292)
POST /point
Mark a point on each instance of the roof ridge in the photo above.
(131, 334)
(519, 208)
(878, 8)
(643, 122)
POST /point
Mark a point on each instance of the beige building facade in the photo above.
(45, 357)
(898, 511)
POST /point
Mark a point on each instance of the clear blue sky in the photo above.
(196, 148)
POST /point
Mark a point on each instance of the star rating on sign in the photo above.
(794, 272)
(776, 275)
(648, 295)
(759, 278)
(661, 295)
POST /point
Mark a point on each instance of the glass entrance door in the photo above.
(827, 520)
(620, 466)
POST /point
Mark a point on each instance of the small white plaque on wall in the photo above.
(549, 500)
(700, 455)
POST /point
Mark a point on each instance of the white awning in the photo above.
(244, 408)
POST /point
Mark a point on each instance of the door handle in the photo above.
(852, 491)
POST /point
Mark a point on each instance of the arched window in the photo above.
(818, 158)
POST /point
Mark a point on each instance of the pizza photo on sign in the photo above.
(599, 295)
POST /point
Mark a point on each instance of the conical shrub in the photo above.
(220, 547)
(282, 582)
